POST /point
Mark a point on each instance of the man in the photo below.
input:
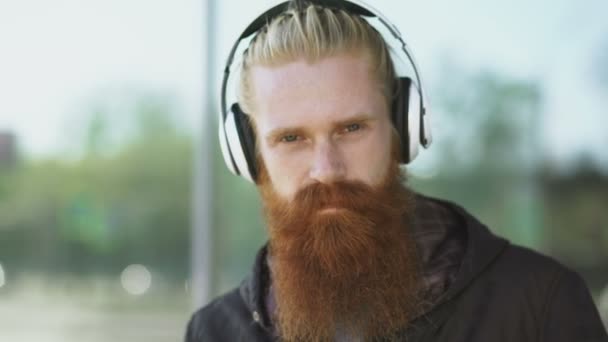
(353, 254)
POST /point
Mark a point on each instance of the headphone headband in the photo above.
(351, 6)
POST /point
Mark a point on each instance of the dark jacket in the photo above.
(502, 292)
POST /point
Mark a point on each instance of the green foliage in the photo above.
(124, 204)
(103, 212)
(492, 164)
(487, 161)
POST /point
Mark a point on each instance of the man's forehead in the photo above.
(329, 90)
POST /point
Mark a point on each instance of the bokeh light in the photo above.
(136, 279)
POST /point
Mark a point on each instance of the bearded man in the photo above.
(353, 254)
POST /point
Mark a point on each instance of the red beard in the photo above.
(342, 259)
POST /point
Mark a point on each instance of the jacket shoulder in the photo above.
(523, 295)
(530, 261)
(568, 312)
(220, 319)
(530, 270)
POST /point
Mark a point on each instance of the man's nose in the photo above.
(328, 164)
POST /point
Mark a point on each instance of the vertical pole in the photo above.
(202, 263)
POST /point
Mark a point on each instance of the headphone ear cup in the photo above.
(225, 144)
(247, 138)
(406, 118)
(240, 141)
(399, 114)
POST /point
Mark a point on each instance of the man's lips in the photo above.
(330, 210)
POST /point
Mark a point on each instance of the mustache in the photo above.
(354, 196)
(343, 194)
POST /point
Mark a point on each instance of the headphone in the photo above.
(409, 112)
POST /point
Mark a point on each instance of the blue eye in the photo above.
(289, 138)
(352, 127)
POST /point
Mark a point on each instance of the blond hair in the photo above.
(313, 33)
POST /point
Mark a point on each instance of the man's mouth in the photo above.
(330, 210)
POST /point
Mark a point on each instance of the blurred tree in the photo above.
(103, 212)
(490, 161)
(487, 150)
(96, 137)
(575, 214)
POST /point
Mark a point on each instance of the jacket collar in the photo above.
(483, 247)
(254, 287)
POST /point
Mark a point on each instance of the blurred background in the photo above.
(118, 217)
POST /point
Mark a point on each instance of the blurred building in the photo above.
(8, 149)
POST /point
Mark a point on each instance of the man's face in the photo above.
(333, 200)
(322, 122)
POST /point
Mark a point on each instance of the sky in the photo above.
(56, 57)
(59, 57)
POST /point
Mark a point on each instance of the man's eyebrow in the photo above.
(358, 118)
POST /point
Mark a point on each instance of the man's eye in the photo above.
(352, 127)
(289, 138)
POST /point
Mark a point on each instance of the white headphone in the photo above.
(410, 114)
